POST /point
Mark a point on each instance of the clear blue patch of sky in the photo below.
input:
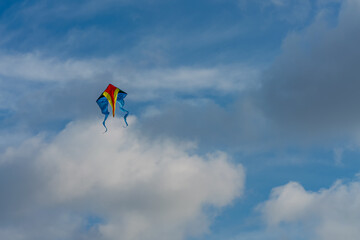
(194, 31)
(93, 221)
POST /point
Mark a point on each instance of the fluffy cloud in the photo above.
(84, 184)
(327, 214)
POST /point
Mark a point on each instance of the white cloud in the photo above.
(34, 67)
(325, 2)
(286, 203)
(145, 83)
(338, 155)
(329, 214)
(140, 188)
(291, 11)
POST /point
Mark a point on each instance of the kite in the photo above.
(112, 95)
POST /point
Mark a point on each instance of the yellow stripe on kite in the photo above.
(107, 95)
(116, 95)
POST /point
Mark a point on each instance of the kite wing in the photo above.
(112, 95)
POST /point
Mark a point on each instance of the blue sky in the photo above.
(244, 120)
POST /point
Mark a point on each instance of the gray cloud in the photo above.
(239, 126)
(314, 85)
(308, 95)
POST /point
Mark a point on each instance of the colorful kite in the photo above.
(112, 95)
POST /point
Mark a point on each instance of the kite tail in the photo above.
(106, 116)
(121, 104)
(103, 104)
